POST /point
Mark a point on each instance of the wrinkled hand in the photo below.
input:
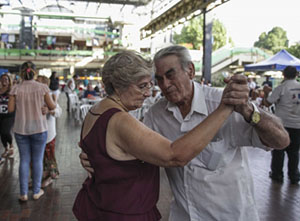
(45, 110)
(236, 93)
(84, 160)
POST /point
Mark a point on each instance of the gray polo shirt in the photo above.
(286, 98)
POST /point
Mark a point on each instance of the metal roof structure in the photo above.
(90, 7)
(122, 2)
(182, 11)
(156, 14)
(49, 2)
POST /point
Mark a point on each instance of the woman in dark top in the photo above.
(54, 82)
(54, 85)
(124, 153)
(6, 119)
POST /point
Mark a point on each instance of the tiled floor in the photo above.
(275, 201)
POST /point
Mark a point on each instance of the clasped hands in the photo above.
(236, 94)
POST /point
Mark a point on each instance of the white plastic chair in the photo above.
(84, 108)
(74, 105)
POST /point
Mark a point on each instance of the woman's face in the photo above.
(4, 81)
(133, 97)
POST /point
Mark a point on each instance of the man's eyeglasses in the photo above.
(144, 87)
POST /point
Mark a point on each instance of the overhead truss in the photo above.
(179, 13)
(122, 2)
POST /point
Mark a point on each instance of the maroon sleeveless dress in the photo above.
(119, 190)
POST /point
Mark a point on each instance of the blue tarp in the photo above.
(276, 63)
(2, 71)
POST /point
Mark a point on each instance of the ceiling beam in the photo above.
(183, 10)
(121, 2)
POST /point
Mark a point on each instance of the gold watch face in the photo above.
(255, 117)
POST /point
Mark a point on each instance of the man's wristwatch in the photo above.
(255, 116)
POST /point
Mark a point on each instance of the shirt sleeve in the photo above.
(148, 119)
(275, 95)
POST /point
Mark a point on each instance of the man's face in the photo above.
(90, 87)
(174, 82)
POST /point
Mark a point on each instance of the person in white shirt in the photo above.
(251, 83)
(70, 88)
(286, 98)
(217, 183)
(155, 96)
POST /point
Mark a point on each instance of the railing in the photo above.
(227, 53)
(221, 55)
(41, 52)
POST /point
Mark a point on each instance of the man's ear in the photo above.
(191, 70)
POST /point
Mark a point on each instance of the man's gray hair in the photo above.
(124, 69)
(181, 52)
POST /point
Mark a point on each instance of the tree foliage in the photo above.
(274, 40)
(192, 34)
(295, 50)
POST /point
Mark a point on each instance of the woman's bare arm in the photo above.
(11, 103)
(141, 142)
(49, 102)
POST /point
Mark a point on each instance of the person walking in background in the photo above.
(70, 88)
(286, 98)
(50, 171)
(267, 82)
(54, 85)
(155, 96)
(27, 99)
(6, 118)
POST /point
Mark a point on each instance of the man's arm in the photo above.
(269, 129)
